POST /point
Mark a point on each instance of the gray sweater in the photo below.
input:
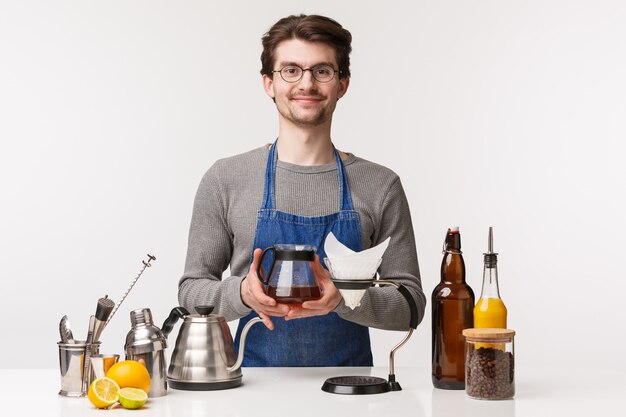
(224, 221)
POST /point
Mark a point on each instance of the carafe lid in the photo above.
(294, 253)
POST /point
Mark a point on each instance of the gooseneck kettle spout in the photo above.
(242, 343)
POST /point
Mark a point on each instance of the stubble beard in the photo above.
(304, 118)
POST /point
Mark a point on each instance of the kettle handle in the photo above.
(259, 272)
(175, 314)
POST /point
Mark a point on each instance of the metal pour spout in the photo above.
(490, 257)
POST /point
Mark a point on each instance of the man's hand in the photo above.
(253, 295)
(330, 296)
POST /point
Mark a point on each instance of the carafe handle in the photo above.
(175, 314)
(259, 267)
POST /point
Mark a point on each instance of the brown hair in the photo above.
(312, 28)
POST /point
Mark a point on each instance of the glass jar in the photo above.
(489, 363)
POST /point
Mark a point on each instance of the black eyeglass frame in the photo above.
(280, 71)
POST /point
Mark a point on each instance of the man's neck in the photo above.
(310, 146)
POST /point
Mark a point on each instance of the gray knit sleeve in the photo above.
(384, 307)
(209, 251)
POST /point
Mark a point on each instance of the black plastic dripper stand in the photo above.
(356, 385)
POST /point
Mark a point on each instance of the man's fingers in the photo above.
(279, 311)
(301, 313)
(261, 297)
(296, 312)
(322, 276)
(330, 296)
(315, 305)
(266, 320)
(317, 266)
(257, 290)
(256, 258)
(293, 312)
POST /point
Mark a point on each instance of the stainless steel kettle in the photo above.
(204, 355)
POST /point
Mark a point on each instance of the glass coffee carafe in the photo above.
(290, 279)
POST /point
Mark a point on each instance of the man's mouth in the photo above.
(306, 99)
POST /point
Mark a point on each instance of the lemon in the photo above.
(103, 392)
(133, 398)
(130, 374)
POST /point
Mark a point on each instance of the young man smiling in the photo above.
(301, 100)
(296, 191)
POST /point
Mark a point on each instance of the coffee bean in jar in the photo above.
(489, 363)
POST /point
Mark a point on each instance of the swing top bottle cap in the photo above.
(453, 240)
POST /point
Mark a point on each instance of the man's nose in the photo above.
(307, 80)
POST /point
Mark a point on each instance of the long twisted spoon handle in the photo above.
(146, 264)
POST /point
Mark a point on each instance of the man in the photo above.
(301, 186)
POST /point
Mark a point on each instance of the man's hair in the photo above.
(311, 28)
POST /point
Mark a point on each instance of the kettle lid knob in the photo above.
(204, 310)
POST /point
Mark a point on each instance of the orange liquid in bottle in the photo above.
(490, 312)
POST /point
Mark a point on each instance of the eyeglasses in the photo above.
(293, 73)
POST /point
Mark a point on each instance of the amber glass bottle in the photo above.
(452, 307)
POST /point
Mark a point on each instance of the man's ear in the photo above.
(343, 86)
(268, 85)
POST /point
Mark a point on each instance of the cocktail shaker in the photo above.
(145, 343)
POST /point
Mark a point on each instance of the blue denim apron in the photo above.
(313, 341)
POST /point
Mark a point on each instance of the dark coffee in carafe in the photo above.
(295, 294)
(290, 279)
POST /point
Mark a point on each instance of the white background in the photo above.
(501, 113)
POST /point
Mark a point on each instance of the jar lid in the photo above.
(488, 334)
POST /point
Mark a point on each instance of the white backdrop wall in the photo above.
(501, 113)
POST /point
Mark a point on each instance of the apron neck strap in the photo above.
(269, 200)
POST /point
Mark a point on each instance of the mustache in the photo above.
(311, 95)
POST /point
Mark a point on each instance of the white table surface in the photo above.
(296, 392)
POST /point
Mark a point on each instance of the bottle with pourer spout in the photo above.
(490, 310)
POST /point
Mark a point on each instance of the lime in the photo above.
(133, 398)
